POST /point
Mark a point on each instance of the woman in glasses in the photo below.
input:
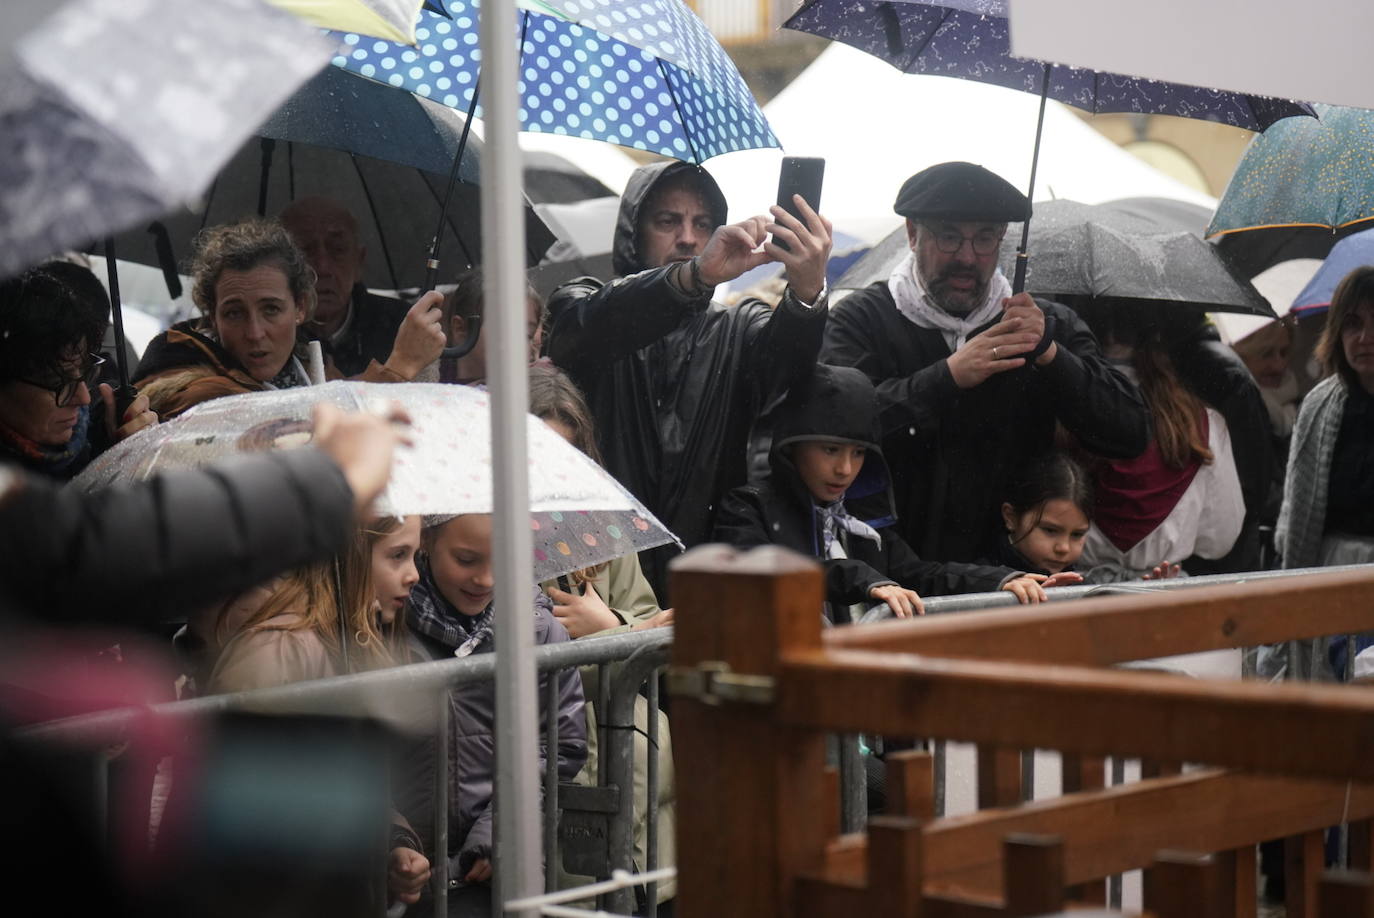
(51, 325)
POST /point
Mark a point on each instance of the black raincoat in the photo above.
(954, 451)
(838, 404)
(675, 382)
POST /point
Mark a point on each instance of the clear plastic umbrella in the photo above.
(580, 515)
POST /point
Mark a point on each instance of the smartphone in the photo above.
(801, 175)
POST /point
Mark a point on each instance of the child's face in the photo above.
(393, 568)
(460, 559)
(827, 469)
(1050, 537)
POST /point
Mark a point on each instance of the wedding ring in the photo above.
(994, 354)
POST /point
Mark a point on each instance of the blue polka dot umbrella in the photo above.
(657, 82)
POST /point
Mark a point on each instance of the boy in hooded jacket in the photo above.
(829, 496)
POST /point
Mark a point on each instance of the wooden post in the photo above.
(1079, 773)
(1346, 894)
(1237, 894)
(911, 784)
(1362, 845)
(999, 777)
(1033, 874)
(1182, 885)
(894, 867)
(754, 815)
(1303, 860)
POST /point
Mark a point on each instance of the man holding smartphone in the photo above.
(674, 380)
(972, 380)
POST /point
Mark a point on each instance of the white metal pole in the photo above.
(519, 872)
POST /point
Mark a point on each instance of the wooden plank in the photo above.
(1240, 896)
(894, 867)
(1304, 861)
(1212, 810)
(1346, 894)
(1181, 885)
(819, 897)
(1033, 874)
(1310, 730)
(761, 778)
(910, 784)
(1362, 845)
(1079, 773)
(999, 776)
(830, 800)
(1115, 629)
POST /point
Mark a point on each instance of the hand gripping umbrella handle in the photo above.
(462, 349)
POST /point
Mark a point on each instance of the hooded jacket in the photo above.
(954, 451)
(838, 405)
(674, 381)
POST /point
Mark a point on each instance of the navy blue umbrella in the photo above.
(970, 39)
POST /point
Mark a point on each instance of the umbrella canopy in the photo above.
(381, 154)
(1136, 249)
(579, 81)
(1299, 188)
(393, 20)
(1352, 252)
(110, 113)
(970, 39)
(580, 515)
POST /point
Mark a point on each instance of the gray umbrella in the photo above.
(1138, 249)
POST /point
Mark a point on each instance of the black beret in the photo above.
(961, 193)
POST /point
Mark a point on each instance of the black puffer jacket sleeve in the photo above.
(934, 578)
(593, 324)
(784, 350)
(151, 551)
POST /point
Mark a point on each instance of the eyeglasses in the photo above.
(949, 241)
(64, 389)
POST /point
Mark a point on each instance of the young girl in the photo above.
(829, 496)
(1047, 515)
(451, 613)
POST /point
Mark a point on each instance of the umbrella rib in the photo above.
(386, 250)
(916, 53)
(677, 106)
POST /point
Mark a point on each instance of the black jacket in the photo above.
(953, 452)
(675, 382)
(371, 332)
(838, 404)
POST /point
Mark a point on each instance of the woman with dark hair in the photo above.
(52, 320)
(255, 291)
(1179, 499)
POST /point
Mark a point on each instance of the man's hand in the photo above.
(1032, 317)
(810, 248)
(407, 872)
(137, 417)
(480, 872)
(362, 444)
(582, 613)
(904, 603)
(994, 351)
(730, 251)
(420, 339)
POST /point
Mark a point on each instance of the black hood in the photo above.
(625, 257)
(836, 404)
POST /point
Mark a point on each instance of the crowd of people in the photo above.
(931, 434)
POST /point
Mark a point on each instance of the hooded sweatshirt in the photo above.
(675, 381)
(839, 405)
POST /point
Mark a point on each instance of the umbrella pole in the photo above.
(269, 146)
(519, 823)
(125, 394)
(432, 265)
(1018, 283)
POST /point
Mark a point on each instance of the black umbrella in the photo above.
(1143, 250)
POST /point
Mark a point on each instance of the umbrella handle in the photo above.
(462, 349)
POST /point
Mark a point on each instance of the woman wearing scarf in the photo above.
(828, 497)
(256, 291)
(54, 418)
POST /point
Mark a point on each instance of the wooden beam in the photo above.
(1346, 894)
(1304, 858)
(910, 784)
(1033, 874)
(1083, 773)
(1115, 629)
(1309, 730)
(999, 776)
(1181, 885)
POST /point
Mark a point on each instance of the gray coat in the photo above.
(472, 726)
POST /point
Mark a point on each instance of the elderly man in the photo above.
(355, 326)
(972, 380)
(675, 381)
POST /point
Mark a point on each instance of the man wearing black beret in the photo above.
(971, 380)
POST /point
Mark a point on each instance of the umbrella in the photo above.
(1137, 250)
(969, 39)
(1299, 188)
(393, 20)
(1352, 252)
(582, 82)
(580, 515)
(383, 155)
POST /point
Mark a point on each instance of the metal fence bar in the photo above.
(853, 785)
(441, 754)
(651, 801)
(941, 763)
(551, 782)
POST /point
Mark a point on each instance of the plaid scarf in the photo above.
(52, 460)
(430, 614)
(834, 517)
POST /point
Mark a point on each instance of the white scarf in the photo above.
(1282, 404)
(914, 302)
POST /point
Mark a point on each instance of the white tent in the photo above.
(876, 126)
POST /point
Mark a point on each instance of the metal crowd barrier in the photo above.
(626, 661)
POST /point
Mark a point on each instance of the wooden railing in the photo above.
(759, 686)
